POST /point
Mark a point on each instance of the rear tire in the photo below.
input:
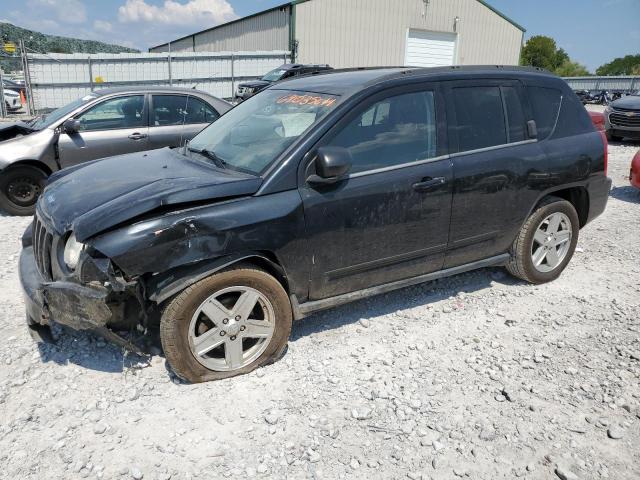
(204, 324)
(541, 251)
(20, 188)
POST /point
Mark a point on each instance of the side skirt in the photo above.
(302, 310)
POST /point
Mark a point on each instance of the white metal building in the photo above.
(361, 33)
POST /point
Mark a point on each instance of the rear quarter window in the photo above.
(545, 103)
(573, 119)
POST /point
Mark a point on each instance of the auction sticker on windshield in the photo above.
(315, 100)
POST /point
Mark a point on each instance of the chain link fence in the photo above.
(53, 80)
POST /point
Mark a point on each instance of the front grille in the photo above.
(42, 243)
(623, 120)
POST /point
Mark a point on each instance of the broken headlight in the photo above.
(72, 251)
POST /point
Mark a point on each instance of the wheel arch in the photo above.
(576, 195)
(39, 164)
(161, 287)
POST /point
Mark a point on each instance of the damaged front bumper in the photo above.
(80, 307)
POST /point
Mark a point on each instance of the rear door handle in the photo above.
(428, 183)
(137, 136)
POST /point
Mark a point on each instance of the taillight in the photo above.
(605, 143)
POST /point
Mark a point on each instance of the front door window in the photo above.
(114, 113)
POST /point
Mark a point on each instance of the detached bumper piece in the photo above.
(76, 306)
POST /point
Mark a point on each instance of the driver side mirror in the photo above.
(332, 164)
(71, 126)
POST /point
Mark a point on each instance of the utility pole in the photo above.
(3, 105)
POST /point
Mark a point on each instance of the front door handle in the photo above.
(137, 136)
(428, 183)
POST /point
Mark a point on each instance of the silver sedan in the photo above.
(102, 124)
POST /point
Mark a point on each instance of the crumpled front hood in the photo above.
(13, 129)
(630, 101)
(95, 196)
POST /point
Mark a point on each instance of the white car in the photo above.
(12, 100)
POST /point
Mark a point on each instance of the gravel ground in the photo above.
(478, 376)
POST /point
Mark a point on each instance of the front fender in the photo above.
(163, 286)
(35, 147)
(215, 235)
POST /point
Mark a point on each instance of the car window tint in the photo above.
(515, 115)
(545, 103)
(200, 111)
(180, 110)
(394, 131)
(479, 117)
(120, 112)
(573, 118)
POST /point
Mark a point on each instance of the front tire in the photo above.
(225, 325)
(546, 242)
(20, 188)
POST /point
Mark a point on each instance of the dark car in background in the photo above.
(288, 70)
(583, 95)
(622, 118)
(102, 124)
(316, 192)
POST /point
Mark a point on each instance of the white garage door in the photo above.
(430, 49)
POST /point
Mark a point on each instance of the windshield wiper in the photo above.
(220, 163)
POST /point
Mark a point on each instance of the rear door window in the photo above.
(545, 104)
(480, 121)
(515, 115)
(180, 110)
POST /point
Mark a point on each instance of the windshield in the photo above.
(49, 119)
(274, 75)
(251, 136)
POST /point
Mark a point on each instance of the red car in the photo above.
(598, 119)
(634, 175)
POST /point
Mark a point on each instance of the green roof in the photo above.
(494, 10)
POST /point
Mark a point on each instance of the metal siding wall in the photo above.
(596, 83)
(58, 79)
(183, 45)
(373, 32)
(265, 32)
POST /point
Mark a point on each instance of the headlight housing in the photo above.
(72, 251)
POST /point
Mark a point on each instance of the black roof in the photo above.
(348, 81)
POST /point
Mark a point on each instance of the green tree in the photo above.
(571, 69)
(628, 65)
(542, 52)
(57, 46)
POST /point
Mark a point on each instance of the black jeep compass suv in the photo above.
(315, 192)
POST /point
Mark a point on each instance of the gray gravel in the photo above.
(478, 376)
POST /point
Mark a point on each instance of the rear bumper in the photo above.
(77, 306)
(599, 188)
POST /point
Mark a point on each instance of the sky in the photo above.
(593, 32)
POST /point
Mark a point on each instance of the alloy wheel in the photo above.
(551, 242)
(231, 328)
